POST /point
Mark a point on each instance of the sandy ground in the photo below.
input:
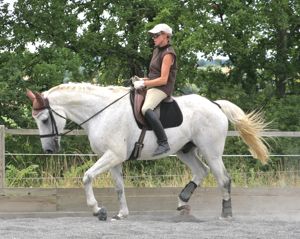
(153, 225)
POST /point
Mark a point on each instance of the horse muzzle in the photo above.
(51, 148)
(49, 151)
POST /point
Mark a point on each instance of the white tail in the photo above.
(249, 127)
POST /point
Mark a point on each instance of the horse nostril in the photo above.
(48, 151)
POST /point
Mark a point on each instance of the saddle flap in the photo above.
(168, 110)
(137, 98)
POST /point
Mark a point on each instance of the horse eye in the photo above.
(44, 121)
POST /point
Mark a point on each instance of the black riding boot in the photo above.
(159, 131)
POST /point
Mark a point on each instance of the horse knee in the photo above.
(87, 178)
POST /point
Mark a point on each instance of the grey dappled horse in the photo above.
(106, 115)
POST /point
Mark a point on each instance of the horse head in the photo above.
(50, 121)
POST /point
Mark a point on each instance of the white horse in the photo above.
(105, 114)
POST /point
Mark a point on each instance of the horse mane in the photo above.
(86, 88)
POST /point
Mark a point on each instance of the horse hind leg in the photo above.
(211, 146)
(199, 171)
(224, 181)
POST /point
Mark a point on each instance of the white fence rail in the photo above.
(4, 131)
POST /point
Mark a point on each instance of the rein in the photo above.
(55, 132)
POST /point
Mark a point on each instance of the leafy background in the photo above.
(106, 42)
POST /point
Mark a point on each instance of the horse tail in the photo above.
(249, 127)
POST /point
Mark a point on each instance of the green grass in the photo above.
(64, 172)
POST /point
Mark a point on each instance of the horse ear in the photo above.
(36, 98)
(30, 95)
(39, 100)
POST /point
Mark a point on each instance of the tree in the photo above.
(107, 41)
(262, 46)
(283, 22)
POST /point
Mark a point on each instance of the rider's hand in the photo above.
(139, 84)
(134, 79)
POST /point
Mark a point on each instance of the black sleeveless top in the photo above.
(155, 68)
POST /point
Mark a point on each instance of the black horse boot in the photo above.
(162, 140)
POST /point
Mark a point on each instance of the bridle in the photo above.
(55, 132)
(51, 111)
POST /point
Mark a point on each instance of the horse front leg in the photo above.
(106, 162)
(117, 175)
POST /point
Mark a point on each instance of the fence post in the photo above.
(2, 156)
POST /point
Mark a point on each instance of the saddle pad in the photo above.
(170, 114)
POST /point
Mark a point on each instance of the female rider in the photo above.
(160, 82)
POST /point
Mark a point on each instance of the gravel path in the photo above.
(152, 226)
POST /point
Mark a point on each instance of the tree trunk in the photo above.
(281, 71)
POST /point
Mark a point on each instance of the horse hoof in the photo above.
(228, 218)
(117, 218)
(226, 215)
(184, 210)
(101, 214)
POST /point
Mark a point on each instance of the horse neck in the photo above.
(80, 106)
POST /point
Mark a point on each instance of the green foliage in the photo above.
(106, 42)
(285, 113)
(19, 177)
(168, 172)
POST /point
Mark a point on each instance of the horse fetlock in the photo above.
(101, 214)
(184, 210)
(92, 203)
(187, 192)
(96, 211)
(123, 213)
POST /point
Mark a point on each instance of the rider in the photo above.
(160, 82)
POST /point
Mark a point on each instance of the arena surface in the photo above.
(152, 226)
(257, 213)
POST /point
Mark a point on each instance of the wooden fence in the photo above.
(4, 131)
(205, 202)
